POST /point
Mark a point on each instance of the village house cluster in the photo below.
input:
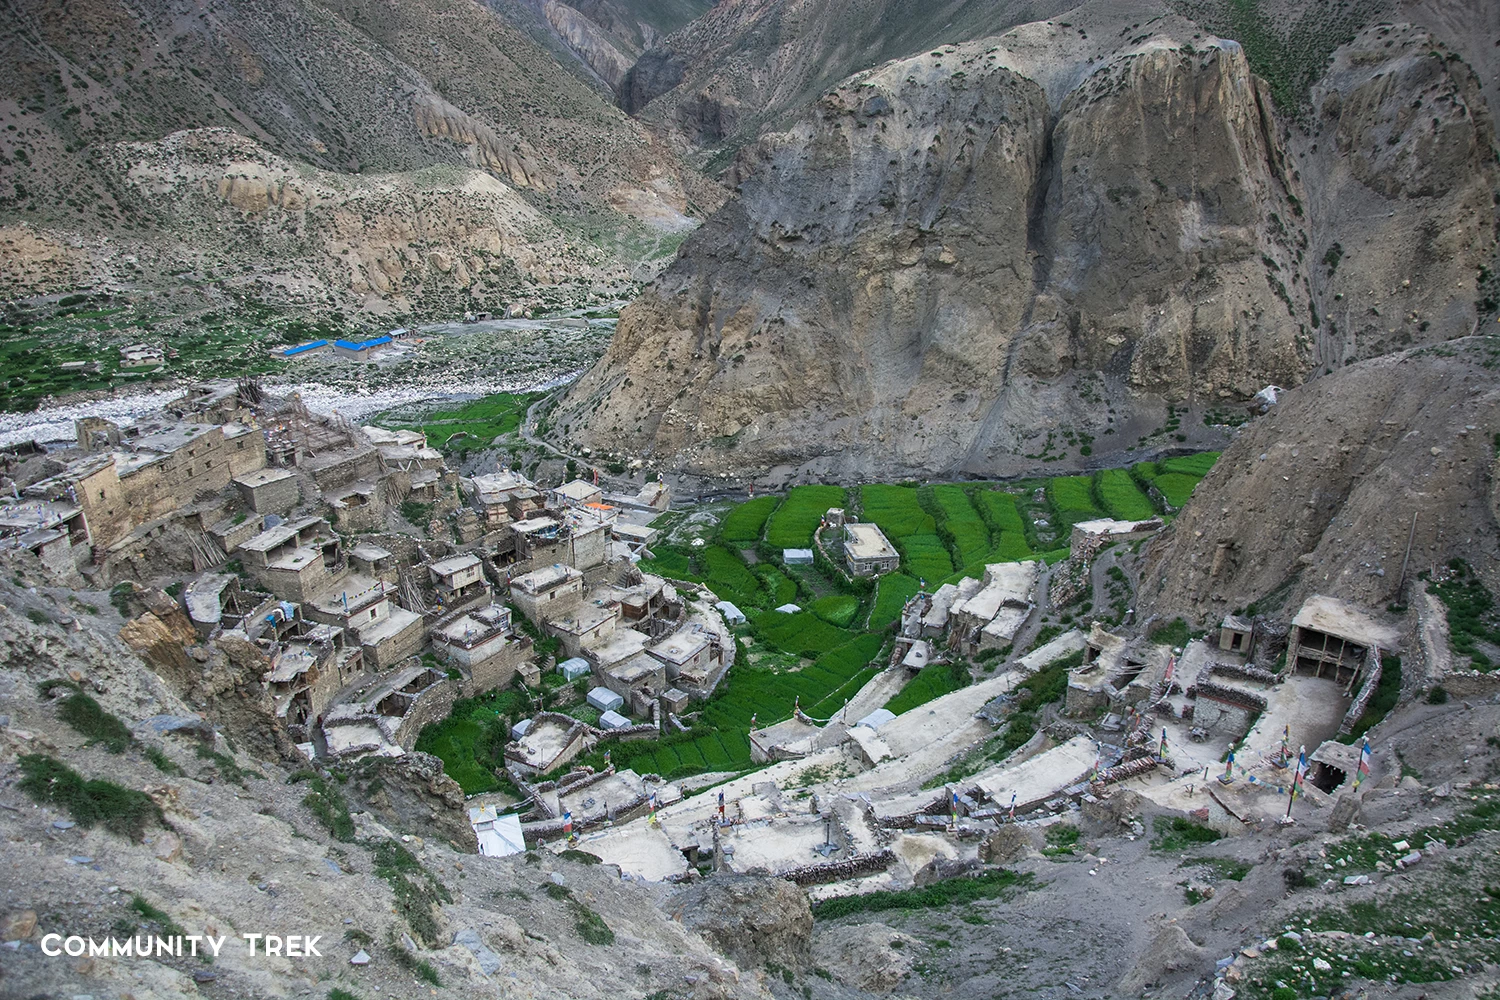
(374, 584)
(871, 795)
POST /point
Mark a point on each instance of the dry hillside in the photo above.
(1318, 496)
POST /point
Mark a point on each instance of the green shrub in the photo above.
(1174, 633)
(1387, 693)
(90, 802)
(85, 715)
(327, 803)
(416, 890)
(1176, 832)
(949, 892)
(1471, 618)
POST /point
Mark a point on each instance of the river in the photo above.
(55, 423)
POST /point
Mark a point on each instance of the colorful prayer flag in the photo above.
(1363, 770)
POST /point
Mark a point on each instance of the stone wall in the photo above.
(499, 670)
(432, 705)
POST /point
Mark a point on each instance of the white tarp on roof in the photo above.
(497, 835)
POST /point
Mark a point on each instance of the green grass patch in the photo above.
(90, 801)
(1175, 833)
(925, 557)
(802, 633)
(165, 925)
(1387, 693)
(416, 890)
(933, 681)
(728, 576)
(472, 425)
(1174, 633)
(1176, 487)
(949, 892)
(1072, 500)
(742, 525)
(896, 510)
(1232, 869)
(1121, 498)
(836, 609)
(85, 715)
(793, 523)
(1191, 465)
(968, 531)
(327, 803)
(891, 595)
(471, 741)
(1471, 613)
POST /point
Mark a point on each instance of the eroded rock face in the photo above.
(751, 920)
(1318, 495)
(1400, 176)
(411, 794)
(932, 264)
(862, 956)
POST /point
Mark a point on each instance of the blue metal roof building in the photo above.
(311, 345)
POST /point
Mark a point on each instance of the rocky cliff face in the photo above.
(958, 252)
(1399, 161)
(1318, 496)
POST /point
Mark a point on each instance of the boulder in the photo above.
(753, 920)
(18, 925)
(862, 956)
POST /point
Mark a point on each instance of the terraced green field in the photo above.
(743, 525)
(792, 526)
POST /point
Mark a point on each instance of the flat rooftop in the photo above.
(866, 541)
(1342, 619)
(262, 477)
(681, 646)
(634, 669)
(547, 578)
(1041, 777)
(1002, 582)
(544, 741)
(624, 644)
(454, 564)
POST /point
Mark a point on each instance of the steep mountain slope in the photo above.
(1318, 495)
(959, 252)
(351, 87)
(745, 63)
(606, 37)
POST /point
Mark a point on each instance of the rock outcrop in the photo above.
(954, 254)
(1318, 496)
(754, 920)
